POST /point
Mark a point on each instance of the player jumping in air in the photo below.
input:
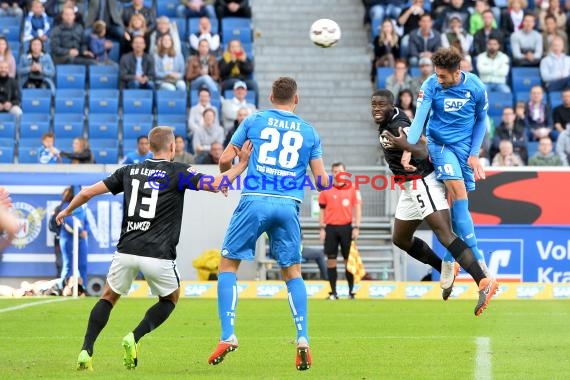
(152, 214)
(283, 146)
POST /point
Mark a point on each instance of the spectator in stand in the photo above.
(136, 28)
(12, 8)
(426, 69)
(487, 31)
(137, 67)
(10, 97)
(208, 133)
(526, 44)
(561, 113)
(196, 8)
(99, 45)
(506, 156)
(424, 41)
(405, 101)
(483, 159)
(513, 130)
(236, 66)
(552, 9)
(232, 8)
(512, 17)
(138, 7)
(538, 115)
(466, 65)
(196, 117)
(48, 153)
(453, 9)
(555, 67)
(108, 11)
(550, 31)
(68, 43)
(242, 113)
(7, 56)
(202, 69)
(409, 18)
(169, 66)
(54, 8)
(563, 147)
(231, 106)
(400, 79)
(81, 153)
(386, 47)
(37, 23)
(180, 153)
(457, 37)
(493, 67)
(205, 33)
(164, 26)
(140, 154)
(476, 22)
(386, 9)
(36, 69)
(213, 156)
(545, 156)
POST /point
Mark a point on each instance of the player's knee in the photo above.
(444, 235)
(402, 242)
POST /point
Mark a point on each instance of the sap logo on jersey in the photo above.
(452, 105)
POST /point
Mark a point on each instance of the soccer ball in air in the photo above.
(325, 33)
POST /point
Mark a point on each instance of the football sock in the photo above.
(447, 256)
(350, 280)
(154, 317)
(227, 302)
(464, 256)
(297, 294)
(463, 225)
(97, 321)
(332, 279)
(424, 254)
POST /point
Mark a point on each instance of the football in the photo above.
(325, 33)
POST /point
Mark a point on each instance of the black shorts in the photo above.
(335, 236)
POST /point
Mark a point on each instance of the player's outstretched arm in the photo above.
(227, 157)
(418, 149)
(230, 174)
(80, 199)
(319, 174)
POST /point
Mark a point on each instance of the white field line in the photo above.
(23, 306)
(483, 366)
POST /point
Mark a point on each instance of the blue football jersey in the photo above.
(455, 111)
(283, 146)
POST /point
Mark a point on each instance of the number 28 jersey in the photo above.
(283, 146)
(152, 205)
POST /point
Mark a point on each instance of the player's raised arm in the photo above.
(83, 197)
(227, 157)
(422, 111)
(229, 175)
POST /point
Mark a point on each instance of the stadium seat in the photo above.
(498, 101)
(15, 47)
(10, 21)
(67, 125)
(415, 71)
(36, 101)
(234, 23)
(242, 34)
(28, 154)
(381, 74)
(178, 122)
(137, 101)
(11, 32)
(522, 96)
(166, 8)
(6, 154)
(29, 142)
(7, 129)
(34, 125)
(250, 97)
(115, 52)
(375, 27)
(171, 102)
(64, 143)
(532, 148)
(70, 101)
(181, 26)
(70, 76)
(135, 125)
(129, 145)
(103, 101)
(103, 126)
(103, 143)
(103, 76)
(194, 25)
(524, 78)
(104, 155)
(555, 99)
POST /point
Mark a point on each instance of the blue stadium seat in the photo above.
(129, 145)
(103, 143)
(498, 101)
(250, 97)
(29, 142)
(171, 102)
(381, 74)
(103, 126)
(36, 100)
(70, 101)
(524, 78)
(233, 23)
(415, 71)
(532, 148)
(135, 125)
(28, 154)
(137, 101)
(166, 8)
(181, 26)
(11, 32)
(555, 98)
(34, 125)
(178, 122)
(103, 76)
(194, 25)
(6, 154)
(522, 96)
(115, 52)
(64, 143)
(7, 129)
(15, 47)
(70, 76)
(375, 27)
(10, 21)
(104, 155)
(242, 34)
(67, 125)
(104, 101)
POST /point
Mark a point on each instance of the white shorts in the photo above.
(420, 198)
(161, 275)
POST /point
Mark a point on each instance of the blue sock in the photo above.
(463, 225)
(297, 294)
(227, 302)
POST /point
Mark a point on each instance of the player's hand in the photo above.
(405, 161)
(355, 233)
(245, 151)
(478, 170)
(322, 235)
(5, 199)
(400, 141)
(224, 190)
(59, 218)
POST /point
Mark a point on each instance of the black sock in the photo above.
(424, 254)
(154, 317)
(465, 257)
(350, 280)
(97, 321)
(332, 279)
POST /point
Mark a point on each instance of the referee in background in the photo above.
(340, 215)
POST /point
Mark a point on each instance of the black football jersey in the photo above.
(152, 205)
(393, 155)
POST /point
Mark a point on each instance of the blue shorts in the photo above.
(450, 162)
(254, 215)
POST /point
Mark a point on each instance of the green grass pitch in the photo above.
(360, 339)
